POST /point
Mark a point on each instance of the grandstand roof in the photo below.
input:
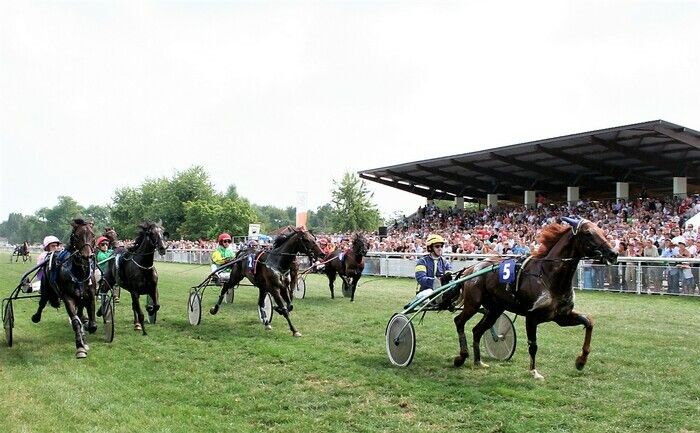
(645, 154)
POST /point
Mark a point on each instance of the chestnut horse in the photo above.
(541, 291)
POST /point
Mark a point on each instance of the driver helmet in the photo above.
(253, 243)
(101, 239)
(48, 240)
(323, 242)
(434, 239)
(224, 237)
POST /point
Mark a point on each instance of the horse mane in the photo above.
(279, 240)
(548, 237)
(143, 228)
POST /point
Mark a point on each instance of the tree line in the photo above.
(190, 208)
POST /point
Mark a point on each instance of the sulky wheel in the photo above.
(108, 318)
(400, 340)
(347, 290)
(8, 321)
(269, 312)
(228, 296)
(152, 315)
(194, 308)
(300, 289)
(499, 341)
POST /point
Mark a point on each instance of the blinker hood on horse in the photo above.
(542, 290)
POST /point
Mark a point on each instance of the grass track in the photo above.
(229, 374)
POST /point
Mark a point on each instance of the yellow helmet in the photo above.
(434, 239)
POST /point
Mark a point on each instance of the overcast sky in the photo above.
(281, 97)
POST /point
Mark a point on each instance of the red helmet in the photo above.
(224, 237)
(101, 239)
(323, 241)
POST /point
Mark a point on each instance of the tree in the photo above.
(352, 205)
(321, 220)
(57, 219)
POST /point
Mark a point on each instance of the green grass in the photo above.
(229, 374)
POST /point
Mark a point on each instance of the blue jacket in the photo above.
(426, 271)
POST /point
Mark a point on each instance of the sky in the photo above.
(285, 97)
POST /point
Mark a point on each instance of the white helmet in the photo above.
(48, 240)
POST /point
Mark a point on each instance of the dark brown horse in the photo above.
(21, 251)
(69, 277)
(541, 290)
(269, 271)
(349, 264)
(134, 270)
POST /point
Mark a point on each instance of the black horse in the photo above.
(270, 271)
(69, 277)
(349, 264)
(134, 270)
(540, 290)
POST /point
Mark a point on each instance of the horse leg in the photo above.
(283, 311)
(460, 320)
(331, 280)
(43, 300)
(531, 330)
(91, 323)
(573, 319)
(479, 330)
(139, 319)
(261, 308)
(355, 279)
(287, 298)
(233, 280)
(80, 344)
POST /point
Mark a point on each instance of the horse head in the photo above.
(359, 246)
(82, 238)
(153, 233)
(590, 242)
(307, 244)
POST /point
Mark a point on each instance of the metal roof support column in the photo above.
(492, 200)
(572, 194)
(459, 203)
(622, 191)
(680, 187)
(530, 201)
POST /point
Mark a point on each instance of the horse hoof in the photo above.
(459, 361)
(213, 310)
(116, 300)
(36, 318)
(297, 334)
(81, 353)
(480, 364)
(268, 327)
(580, 363)
(536, 374)
(138, 327)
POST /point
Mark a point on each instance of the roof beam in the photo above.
(681, 136)
(655, 160)
(488, 187)
(459, 191)
(511, 178)
(529, 166)
(427, 193)
(598, 167)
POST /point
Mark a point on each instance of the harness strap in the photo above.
(522, 269)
